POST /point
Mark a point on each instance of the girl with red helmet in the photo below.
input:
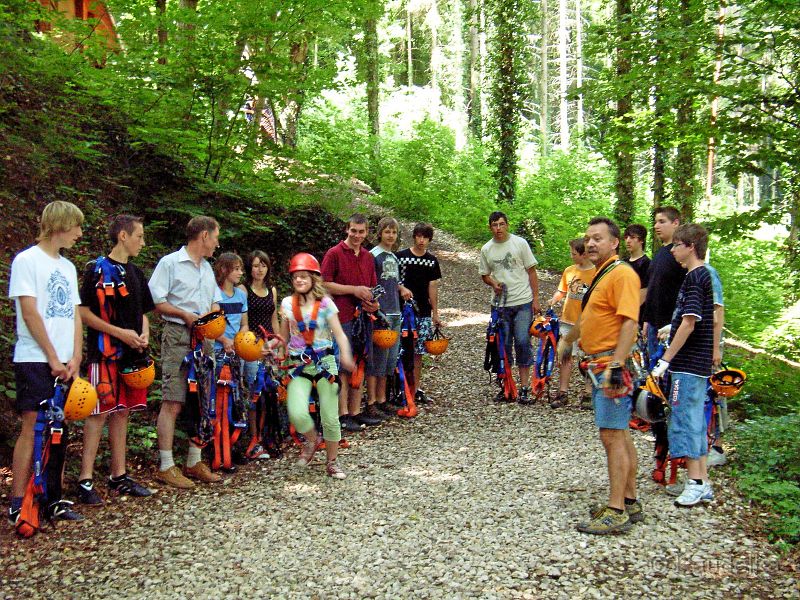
(310, 324)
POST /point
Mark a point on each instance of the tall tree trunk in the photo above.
(474, 107)
(161, 31)
(373, 92)
(623, 155)
(685, 174)
(711, 152)
(579, 67)
(563, 77)
(434, 21)
(544, 113)
(506, 96)
(659, 152)
(409, 47)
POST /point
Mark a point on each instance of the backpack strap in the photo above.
(307, 329)
(597, 278)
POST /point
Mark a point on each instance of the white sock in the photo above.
(166, 459)
(193, 457)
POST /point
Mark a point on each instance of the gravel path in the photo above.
(469, 500)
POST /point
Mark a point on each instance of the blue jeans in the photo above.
(687, 422)
(383, 360)
(516, 323)
(652, 342)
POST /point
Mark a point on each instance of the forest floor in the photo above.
(471, 499)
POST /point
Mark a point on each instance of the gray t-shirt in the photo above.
(387, 268)
(508, 262)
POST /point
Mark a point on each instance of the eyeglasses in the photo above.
(676, 244)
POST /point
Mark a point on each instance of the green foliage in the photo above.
(758, 311)
(769, 453)
(555, 204)
(427, 178)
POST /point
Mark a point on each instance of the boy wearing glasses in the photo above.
(689, 359)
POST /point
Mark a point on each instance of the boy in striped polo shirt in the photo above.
(689, 359)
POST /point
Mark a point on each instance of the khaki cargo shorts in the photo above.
(175, 345)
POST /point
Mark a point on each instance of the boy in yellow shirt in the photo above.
(575, 280)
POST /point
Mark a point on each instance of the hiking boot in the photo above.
(334, 470)
(366, 420)
(422, 398)
(125, 486)
(12, 516)
(62, 510)
(348, 423)
(501, 397)
(586, 401)
(524, 396)
(174, 478)
(373, 412)
(716, 457)
(635, 511)
(560, 401)
(695, 493)
(86, 493)
(606, 522)
(201, 472)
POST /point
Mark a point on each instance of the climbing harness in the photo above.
(267, 388)
(110, 284)
(404, 370)
(202, 391)
(546, 329)
(49, 443)
(231, 413)
(496, 358)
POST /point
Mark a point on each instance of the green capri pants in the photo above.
(297, 395)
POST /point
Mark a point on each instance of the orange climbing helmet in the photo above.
(727, 382)
(539, 327)
(140, 374)
(248, 345)
(210, 325)
(81, 400)
(437, 344)
(304, 262)
(384, 338)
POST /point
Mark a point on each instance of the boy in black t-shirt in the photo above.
(664, 279)
(420, 273)
(689, 359)
(118, 334)
(635, 239)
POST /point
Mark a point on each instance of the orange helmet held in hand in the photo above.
(248, 345)
(385, 338)
(437, 344)
(728, 382)
(210, 325)
(81, 400)
(140, 375)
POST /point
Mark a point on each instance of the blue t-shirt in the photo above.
(695, 298)
(234, 306)
(716, 286)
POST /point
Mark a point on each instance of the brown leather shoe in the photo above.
(173, 478)
(201, 472)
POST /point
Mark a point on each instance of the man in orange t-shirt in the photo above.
(607, 330)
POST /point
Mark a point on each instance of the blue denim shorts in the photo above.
(516, 323)
(687, 422)
(611, 413)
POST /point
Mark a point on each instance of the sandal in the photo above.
(561, 399)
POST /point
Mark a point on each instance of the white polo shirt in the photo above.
(185, 285)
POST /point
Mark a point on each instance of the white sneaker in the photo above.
(695, 493)
(716, 458)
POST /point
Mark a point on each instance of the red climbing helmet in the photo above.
(304, 262)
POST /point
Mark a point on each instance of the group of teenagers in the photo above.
(614, 309)
(311, 334)
(609, 305)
